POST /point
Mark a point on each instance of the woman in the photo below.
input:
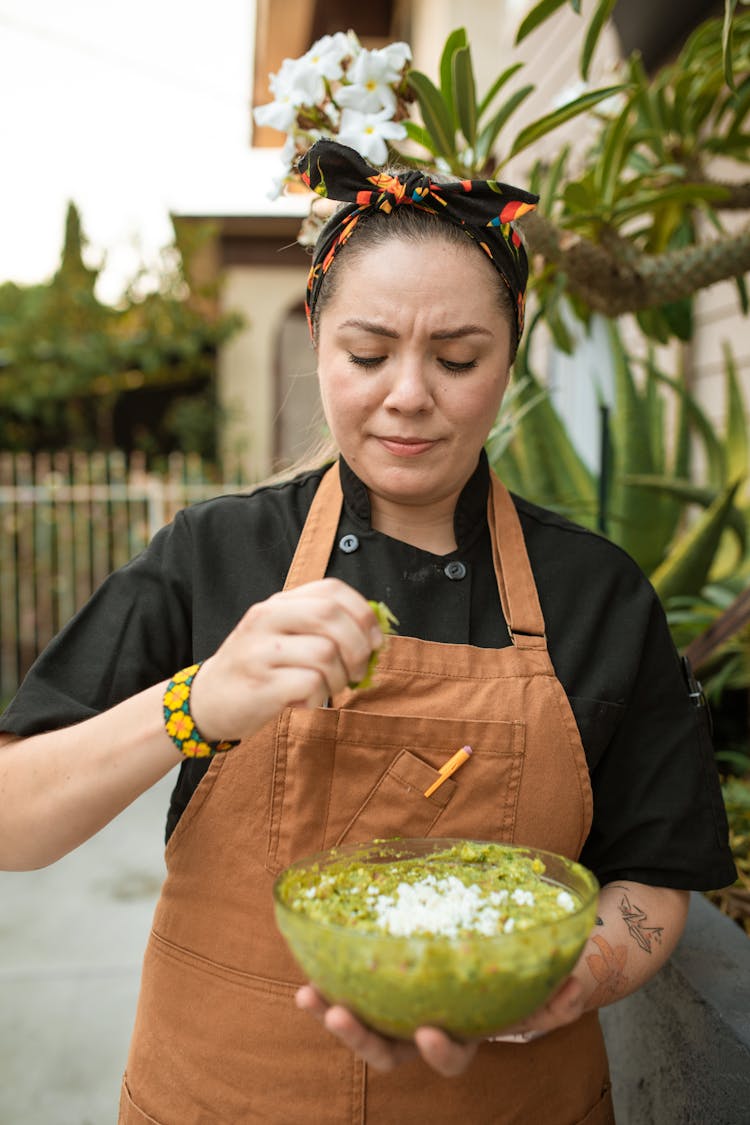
(586, 743)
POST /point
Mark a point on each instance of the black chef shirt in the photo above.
(658, 813)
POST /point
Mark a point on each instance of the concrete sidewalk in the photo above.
(71, 941)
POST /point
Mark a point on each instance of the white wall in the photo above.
(247, 363)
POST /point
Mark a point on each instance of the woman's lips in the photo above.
(406, 447)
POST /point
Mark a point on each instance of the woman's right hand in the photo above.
(296, 648)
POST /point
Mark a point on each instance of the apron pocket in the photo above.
(353, 775)
(129, 1113)
(401, 788)
(219, 1046)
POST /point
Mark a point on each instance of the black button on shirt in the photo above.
(658, 815)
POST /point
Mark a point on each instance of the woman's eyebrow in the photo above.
(457, 333)
(369, 326)
(447, 334)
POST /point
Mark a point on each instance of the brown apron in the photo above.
(218, 1039)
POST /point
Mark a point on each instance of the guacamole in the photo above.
(470, 937)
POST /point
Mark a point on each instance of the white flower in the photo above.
(295, 84)
(279, 115)
(287, 155)
(370, 89)
(396, 55)
(299, 80)
(327, 55)
(368, 132)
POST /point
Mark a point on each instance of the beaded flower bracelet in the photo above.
(180, 724)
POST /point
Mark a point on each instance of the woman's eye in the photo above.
(365, 360)
(455, 366)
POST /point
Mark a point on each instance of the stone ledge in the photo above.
(680, 1047)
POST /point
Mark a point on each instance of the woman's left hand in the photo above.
(437, 1049)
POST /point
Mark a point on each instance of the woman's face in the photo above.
(413, 360)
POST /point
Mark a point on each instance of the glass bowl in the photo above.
(466, 982)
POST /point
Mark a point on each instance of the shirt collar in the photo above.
(469, 518)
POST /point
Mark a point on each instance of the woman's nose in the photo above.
(410, 390)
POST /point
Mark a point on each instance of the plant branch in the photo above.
(738, 197)
(614, 283)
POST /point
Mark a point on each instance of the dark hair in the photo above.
(411, 225)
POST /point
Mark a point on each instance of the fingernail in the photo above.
(376, 637)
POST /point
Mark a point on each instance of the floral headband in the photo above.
(484, 209)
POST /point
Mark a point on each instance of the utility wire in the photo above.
(61, 39)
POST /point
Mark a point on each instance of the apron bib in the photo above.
(218, 1039)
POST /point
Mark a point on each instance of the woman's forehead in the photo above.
(443, 274)
(439, 315)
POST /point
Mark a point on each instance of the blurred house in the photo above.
(266, 373)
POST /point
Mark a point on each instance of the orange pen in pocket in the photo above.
(449, 768)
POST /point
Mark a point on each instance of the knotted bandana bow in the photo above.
(484, 209)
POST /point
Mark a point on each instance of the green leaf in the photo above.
(653, 325)
(609, 169)
(497, 86)
(489, 133)
(726, 42)
(682, 447)
(738, 453)
(635, 514)
(538, 14)
(579, 196)
(601, 14)
(742, 293)
(505, 464)
(679, 318)
(419, 134)
(672, 193)
(687, 493)
(465, 94)
(553, 178)
(436, 114)
(712, 447)
(686, 567)
(548, 468)
(455, 40)
(559, 116)
(737, 103)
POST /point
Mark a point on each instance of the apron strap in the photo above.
(316, 541)
(515, 579)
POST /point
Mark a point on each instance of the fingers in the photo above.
(442, 1053)
(376, 1050)
(437, 1049)
(296, 648)
(336, 622)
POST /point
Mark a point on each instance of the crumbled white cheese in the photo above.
(566, 901)
(509, 925)
(523, 898)
(437, 906)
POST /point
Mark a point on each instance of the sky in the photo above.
(130, 110)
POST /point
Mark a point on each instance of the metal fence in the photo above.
(66, 521)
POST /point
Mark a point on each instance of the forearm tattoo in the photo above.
(635, 919)
(607, 967)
